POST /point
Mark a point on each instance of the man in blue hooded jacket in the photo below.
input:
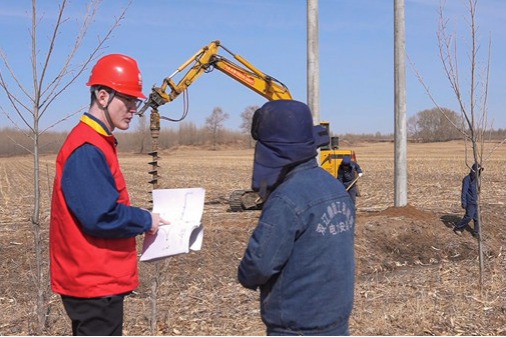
(348, 173)
(301, 253)
(469, 201)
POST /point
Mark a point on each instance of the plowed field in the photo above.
(414, 276)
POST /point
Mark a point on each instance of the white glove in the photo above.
(360, 174)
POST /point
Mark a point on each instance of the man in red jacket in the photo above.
(93, 257)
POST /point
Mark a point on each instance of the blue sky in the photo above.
(355, 45)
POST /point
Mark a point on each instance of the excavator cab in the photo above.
(331, 155)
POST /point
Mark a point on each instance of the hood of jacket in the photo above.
(285, 137)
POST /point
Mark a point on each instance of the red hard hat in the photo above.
(118, 72)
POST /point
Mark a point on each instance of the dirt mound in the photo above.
(408, 211)
(401, 237)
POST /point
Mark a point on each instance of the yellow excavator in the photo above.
(206, 60)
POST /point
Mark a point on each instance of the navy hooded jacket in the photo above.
(301, 254)
(469, 190)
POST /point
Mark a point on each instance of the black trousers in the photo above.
(101, 316)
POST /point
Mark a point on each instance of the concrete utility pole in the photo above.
(400, 164)
(313, 63)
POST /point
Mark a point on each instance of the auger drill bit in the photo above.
(154, 169)
(154, 126)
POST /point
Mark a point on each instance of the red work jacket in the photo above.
(82, 265)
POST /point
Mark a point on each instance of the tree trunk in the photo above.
(39, 279)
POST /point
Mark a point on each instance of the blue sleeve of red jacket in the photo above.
(91, 194)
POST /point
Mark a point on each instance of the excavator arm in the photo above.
(206, 60)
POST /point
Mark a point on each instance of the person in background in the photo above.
(301, 253)
(348, 173)
(469, 201)
(93, 257)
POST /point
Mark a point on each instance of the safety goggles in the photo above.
(129, 100)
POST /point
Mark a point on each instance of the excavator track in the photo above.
(235, 201)
(242, 200)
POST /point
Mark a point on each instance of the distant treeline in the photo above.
(14, 142)
(440, 125)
